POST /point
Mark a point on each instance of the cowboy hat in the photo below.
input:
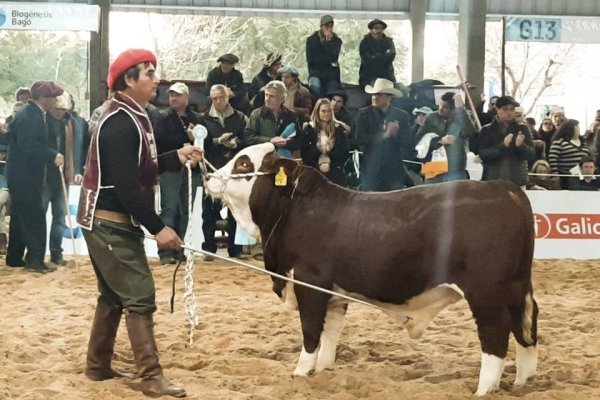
(383, 86)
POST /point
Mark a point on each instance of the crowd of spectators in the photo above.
(376, 148)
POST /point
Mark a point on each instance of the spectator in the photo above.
(322, 53)
(541, 178)
(586, 179)
(339, 98)
(23, 94)
(225, 128)
(377, 53)
(268, 73)
(545, 133)
(28, 158)
(297, 97)
(566, 150)
(420, 114)
(81, 142)
(325, 144)
(453, 127)
(589, 137)
(226, 74)
(268, 122)
(173, 131)
(506, 145)
(383, 135)
(60, 139)
(486, 117)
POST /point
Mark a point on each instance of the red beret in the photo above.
(128, 59)
(45, 89)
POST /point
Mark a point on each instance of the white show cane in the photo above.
(66, 197)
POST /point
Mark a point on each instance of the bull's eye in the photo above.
(243, 165)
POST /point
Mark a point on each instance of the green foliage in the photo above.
(26, 57)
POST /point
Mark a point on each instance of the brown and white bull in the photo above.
(411, 251)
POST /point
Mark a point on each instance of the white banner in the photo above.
(49, 17)
(567, 224)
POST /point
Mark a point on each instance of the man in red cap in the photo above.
(117, 196)
(29, 156)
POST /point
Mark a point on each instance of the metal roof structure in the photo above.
(390, 9)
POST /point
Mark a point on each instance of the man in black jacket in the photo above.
(383, 135)
(226, 74)
(173, 131)
(225, 127)
(29, 156)
(377, 53)
(322, 53)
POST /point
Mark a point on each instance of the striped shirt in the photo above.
(564, 155)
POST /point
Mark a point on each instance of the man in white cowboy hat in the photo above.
(453, 127)
(383, 135)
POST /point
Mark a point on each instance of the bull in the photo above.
(412, 252)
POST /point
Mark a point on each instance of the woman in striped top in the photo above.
(566, 150)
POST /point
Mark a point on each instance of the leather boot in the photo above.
(102, 343)
(3, 242)
(141, 334)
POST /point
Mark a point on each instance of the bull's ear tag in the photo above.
(281, 178)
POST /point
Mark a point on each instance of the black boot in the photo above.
(141, 333)
(102, 343)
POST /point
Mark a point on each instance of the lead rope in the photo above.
(189, 298)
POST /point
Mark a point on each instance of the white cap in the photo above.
(180, 87)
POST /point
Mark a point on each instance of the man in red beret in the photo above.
(117, 196)
(29, 156)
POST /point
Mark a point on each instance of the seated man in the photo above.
(226, 74)
(268, 73)
(268, 123)
(586, 180)
(297, 97)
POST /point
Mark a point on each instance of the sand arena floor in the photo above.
(247, 346)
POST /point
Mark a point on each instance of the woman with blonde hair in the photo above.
(325, 143)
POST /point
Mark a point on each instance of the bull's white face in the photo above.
(235, 191)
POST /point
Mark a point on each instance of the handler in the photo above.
(117, 196)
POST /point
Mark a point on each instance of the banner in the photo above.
(552, 30)
(49, 16)
(567, 224)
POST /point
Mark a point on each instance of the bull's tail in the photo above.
(524, 320)
(528, 320)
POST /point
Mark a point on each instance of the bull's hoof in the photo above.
(298, 372)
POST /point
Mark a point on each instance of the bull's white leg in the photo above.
(332, 330)
(526, 363)
(490, 374)
(306, 363)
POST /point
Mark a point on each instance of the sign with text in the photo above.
(533, 29)
(49, 17)
(567, 224)
(552, 30)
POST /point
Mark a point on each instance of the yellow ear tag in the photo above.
(281, 178)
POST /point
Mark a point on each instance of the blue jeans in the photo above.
(322, 87)
(54, 194)
(174, 202)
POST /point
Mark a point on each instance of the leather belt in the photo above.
(113, 216)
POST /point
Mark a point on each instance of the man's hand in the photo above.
(328, 32)
(168, 239)
(507, 139)
(77, 179)
(59, 160)
(190, 153)
(224, 138)
(230, 92)
(278, 141)
(520, 139)
(448, 139)
(391, 129)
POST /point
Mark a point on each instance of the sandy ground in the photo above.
(247, 346)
